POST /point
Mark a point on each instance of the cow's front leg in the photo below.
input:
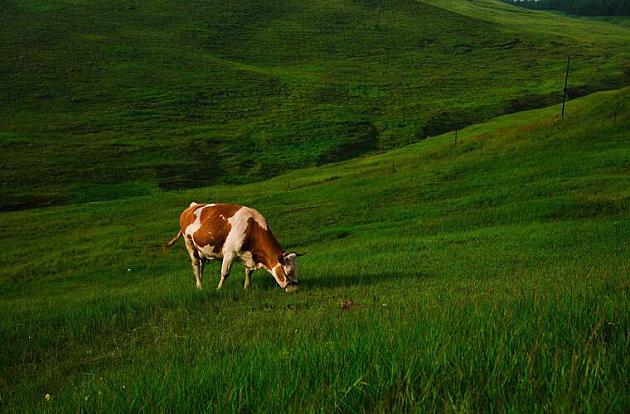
(228, 259)
(248, 274)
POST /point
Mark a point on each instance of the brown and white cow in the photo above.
(230, 232)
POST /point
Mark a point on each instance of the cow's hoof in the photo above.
(290, 289)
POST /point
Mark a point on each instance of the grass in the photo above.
(487, 275)
(102, 100)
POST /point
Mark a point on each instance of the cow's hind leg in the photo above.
(225, 269)
(196, 261)
(248, 275)
(202, 262)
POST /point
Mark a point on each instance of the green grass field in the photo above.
(106, 99)
(488, 275)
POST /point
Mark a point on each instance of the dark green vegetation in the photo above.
(489, 275)
(583, 7)
(107, 99)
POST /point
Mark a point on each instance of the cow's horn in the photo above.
(301, 254)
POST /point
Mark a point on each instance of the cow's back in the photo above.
(208, 225)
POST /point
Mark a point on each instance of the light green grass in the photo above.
(167, 95)
(490, 275)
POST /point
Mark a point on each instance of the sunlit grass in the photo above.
(484, 275)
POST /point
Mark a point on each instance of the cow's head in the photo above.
(289, 266)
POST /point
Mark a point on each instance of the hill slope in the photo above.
(102, 100)
(487, 273)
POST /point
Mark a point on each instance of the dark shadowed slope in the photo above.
(105, 99)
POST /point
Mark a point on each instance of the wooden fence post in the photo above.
(566, 80)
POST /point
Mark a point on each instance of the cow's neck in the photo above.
(267, 250)
(267, 254)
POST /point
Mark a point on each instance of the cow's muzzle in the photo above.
(291, 286)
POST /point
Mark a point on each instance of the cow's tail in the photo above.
(173, 240)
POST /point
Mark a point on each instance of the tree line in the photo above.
(581, 7)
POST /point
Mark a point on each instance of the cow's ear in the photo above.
(281, 259)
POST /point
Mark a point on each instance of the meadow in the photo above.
(483, 274)
(106, 99)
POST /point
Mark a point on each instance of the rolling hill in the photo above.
(467, 253)
(484, 274)
(104, 100)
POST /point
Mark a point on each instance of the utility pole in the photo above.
(566, 80)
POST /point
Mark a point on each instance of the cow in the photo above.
(230, 232)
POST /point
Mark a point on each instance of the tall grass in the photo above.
(471, 281)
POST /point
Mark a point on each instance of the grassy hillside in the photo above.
(487, 274)
(102, 100)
